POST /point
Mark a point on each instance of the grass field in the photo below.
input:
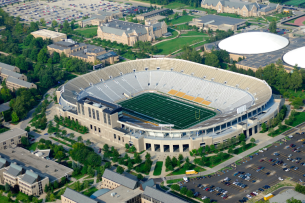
(294, 2)
(193, 33)
(278, 131)
(170, 46)
(158, 168)
(182, 19)
(164, 110)
(88, 32)
(181, 171)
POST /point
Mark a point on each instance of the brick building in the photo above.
(129, 33)
(243, 8)
(100, 17)
(49, 34)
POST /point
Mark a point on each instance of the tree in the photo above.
(7, 187)
(64, 133)
(272, 26)
(211, 60)
(184, 12)
(88, 142)
(179, 163)
(147, 156)
(175, 187)
(212, 147)
(180, 157)
(106, 147)
(140, 176)
(242, 137)
(15, 117)
(55, 184)
(130, 165)
(127, 146)
(25, 141)
(183, 190)
(231, 151)
(189, 193)
(54, 23)
(79, 139)
(252, 140)
(264, 127)
(46, 188)
(42, 21)
(176, 15)
(71, 135)
(86, 184)
(174, 161)
(119, 170)
(212, 160)
(292, 200)
(243, 145)
(207, 149)
(138, 159)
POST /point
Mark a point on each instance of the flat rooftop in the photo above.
(122, 194)
(48, 33)
(219, 20)
(40, 166)
(288, 194)
(11, 134)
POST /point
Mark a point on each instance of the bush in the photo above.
(175, 187)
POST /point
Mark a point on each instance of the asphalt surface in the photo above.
(261, 179)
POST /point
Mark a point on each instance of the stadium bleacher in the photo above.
(210, 86)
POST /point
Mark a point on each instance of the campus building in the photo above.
(243, 8)
(13, 78)
(86, 52)
(216, 22)
(126, 190)
(129, 33)
(49, 34)
(152, 14)
(12, 137)
(30, 171)
(101, 17)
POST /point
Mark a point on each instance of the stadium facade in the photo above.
(240, 104)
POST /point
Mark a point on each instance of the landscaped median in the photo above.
(158, 168)
(182, 170)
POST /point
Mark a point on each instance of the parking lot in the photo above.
(256, 173)
(65, 10)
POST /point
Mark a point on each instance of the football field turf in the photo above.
(165, 110)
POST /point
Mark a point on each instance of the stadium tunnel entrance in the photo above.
(166, 148)
(157, 148)
(148, 147)
(186, 148)
(176, 148)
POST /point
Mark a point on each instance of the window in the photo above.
(12, 140)
(97, 115)
(109, 120)
(119, 137)
(83, 110)
(114, 135)
(99, 130)
(89, 110)
(93, 113)
(105, 120)
(122, 139)
(90, 126)
(4, 143)
(94, 128)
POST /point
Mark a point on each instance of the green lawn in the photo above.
(182, 19)
(181, 171)
(158, 168)
(299, 118)
(240, 150)
(176, 5)
(79, 176)
(3, 198)
(154, 107)
(90, 191)
(278, 131)
(174, 181)
(217, 160)
(57, 140)
(88, 32)
(142, 169)
(175, 44)
(295, 2)
(192, 33)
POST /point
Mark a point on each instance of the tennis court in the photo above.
(165, 110)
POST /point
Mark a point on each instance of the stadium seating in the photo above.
(210, 86)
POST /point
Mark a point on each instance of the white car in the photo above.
(249, 196)
(204, 197)
(261, 150)
(281, 178)
(290, 136)
(255, 193)
(287, 170)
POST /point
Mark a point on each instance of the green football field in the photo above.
(165, 110)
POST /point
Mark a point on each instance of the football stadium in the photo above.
(167, 105)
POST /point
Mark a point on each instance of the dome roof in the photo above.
(295, 57)
(253, 43)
